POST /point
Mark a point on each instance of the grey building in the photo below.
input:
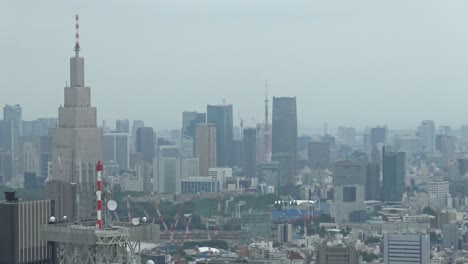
(5, 165)
(270, 172)
(394, 174)
(46, 155)
(337, 253)
(145, 143)
(427, 132)
(284, 233)
(249, 156)
(122, 126)
(221, 117)
(135, 125)
(11, 131)
(284, 141)
(450, 236)
(372, 181)
(190, 119)
(348, 173)
(406, 248)
(19, 231)
(319, 154)
(77, 147)
(117, 148)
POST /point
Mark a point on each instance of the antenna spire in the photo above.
(77, 35)
(266, 105)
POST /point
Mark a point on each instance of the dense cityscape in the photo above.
(81, 190)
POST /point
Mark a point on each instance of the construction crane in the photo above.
(161, 219)
(175, 222)
(187, 221)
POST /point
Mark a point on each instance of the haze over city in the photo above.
(357, 63)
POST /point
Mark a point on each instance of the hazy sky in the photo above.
(358, 63)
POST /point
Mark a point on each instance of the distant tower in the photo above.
(266, 130)
(77, 146)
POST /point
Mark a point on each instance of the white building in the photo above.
(194, 185)
(347, 199)
(439, 194)
(220, 174)
(406, 248)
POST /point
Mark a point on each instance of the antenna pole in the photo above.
(77, 36)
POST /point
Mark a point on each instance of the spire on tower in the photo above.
(266, 105)
(77, 36)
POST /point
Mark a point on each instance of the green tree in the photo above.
(429, 211)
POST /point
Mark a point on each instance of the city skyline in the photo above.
(178, 64)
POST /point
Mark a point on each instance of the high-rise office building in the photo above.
(190, 119)
(122, 126)
(135, 125)
(11, 131)
(145, 171)
(427, 132)
(145, 143)
(319, 154)
(77, 147)
(20, 226)
(284, 141)
(46, 155)
(205, 147)
(29, 155)
(406, 248)
(269, 172)
(439, 195)
(347, 135)
(348, 202)
(39, 127)
(5, 165)
(337, 253)
(189, 167)
(221, 117)
(249, 152)
(447, 145)
(284, 233)
(117, 148)
(348, 172)
(394, 173)
(372, 181)
(450, 236)
(168, 169)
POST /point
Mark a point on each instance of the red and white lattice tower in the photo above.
(77, 35)
(98, 195)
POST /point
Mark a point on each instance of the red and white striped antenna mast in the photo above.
(77, 36)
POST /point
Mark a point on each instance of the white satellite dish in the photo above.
(112, 205)
(144, 219)
(135, 221)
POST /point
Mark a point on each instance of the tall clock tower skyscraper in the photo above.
(77, 147)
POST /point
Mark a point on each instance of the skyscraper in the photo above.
(393, 176)
(372, 181)
(145, 143)
(205, 147)
(427, 132)
(135, 125)
(450, 236)
(77, 147)
(190, 119)
(117, 148)
(249, 152)
(11, 131)
(378, 137)
(319, 154)
(122, 126)
(221, 117)
(284, 142)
